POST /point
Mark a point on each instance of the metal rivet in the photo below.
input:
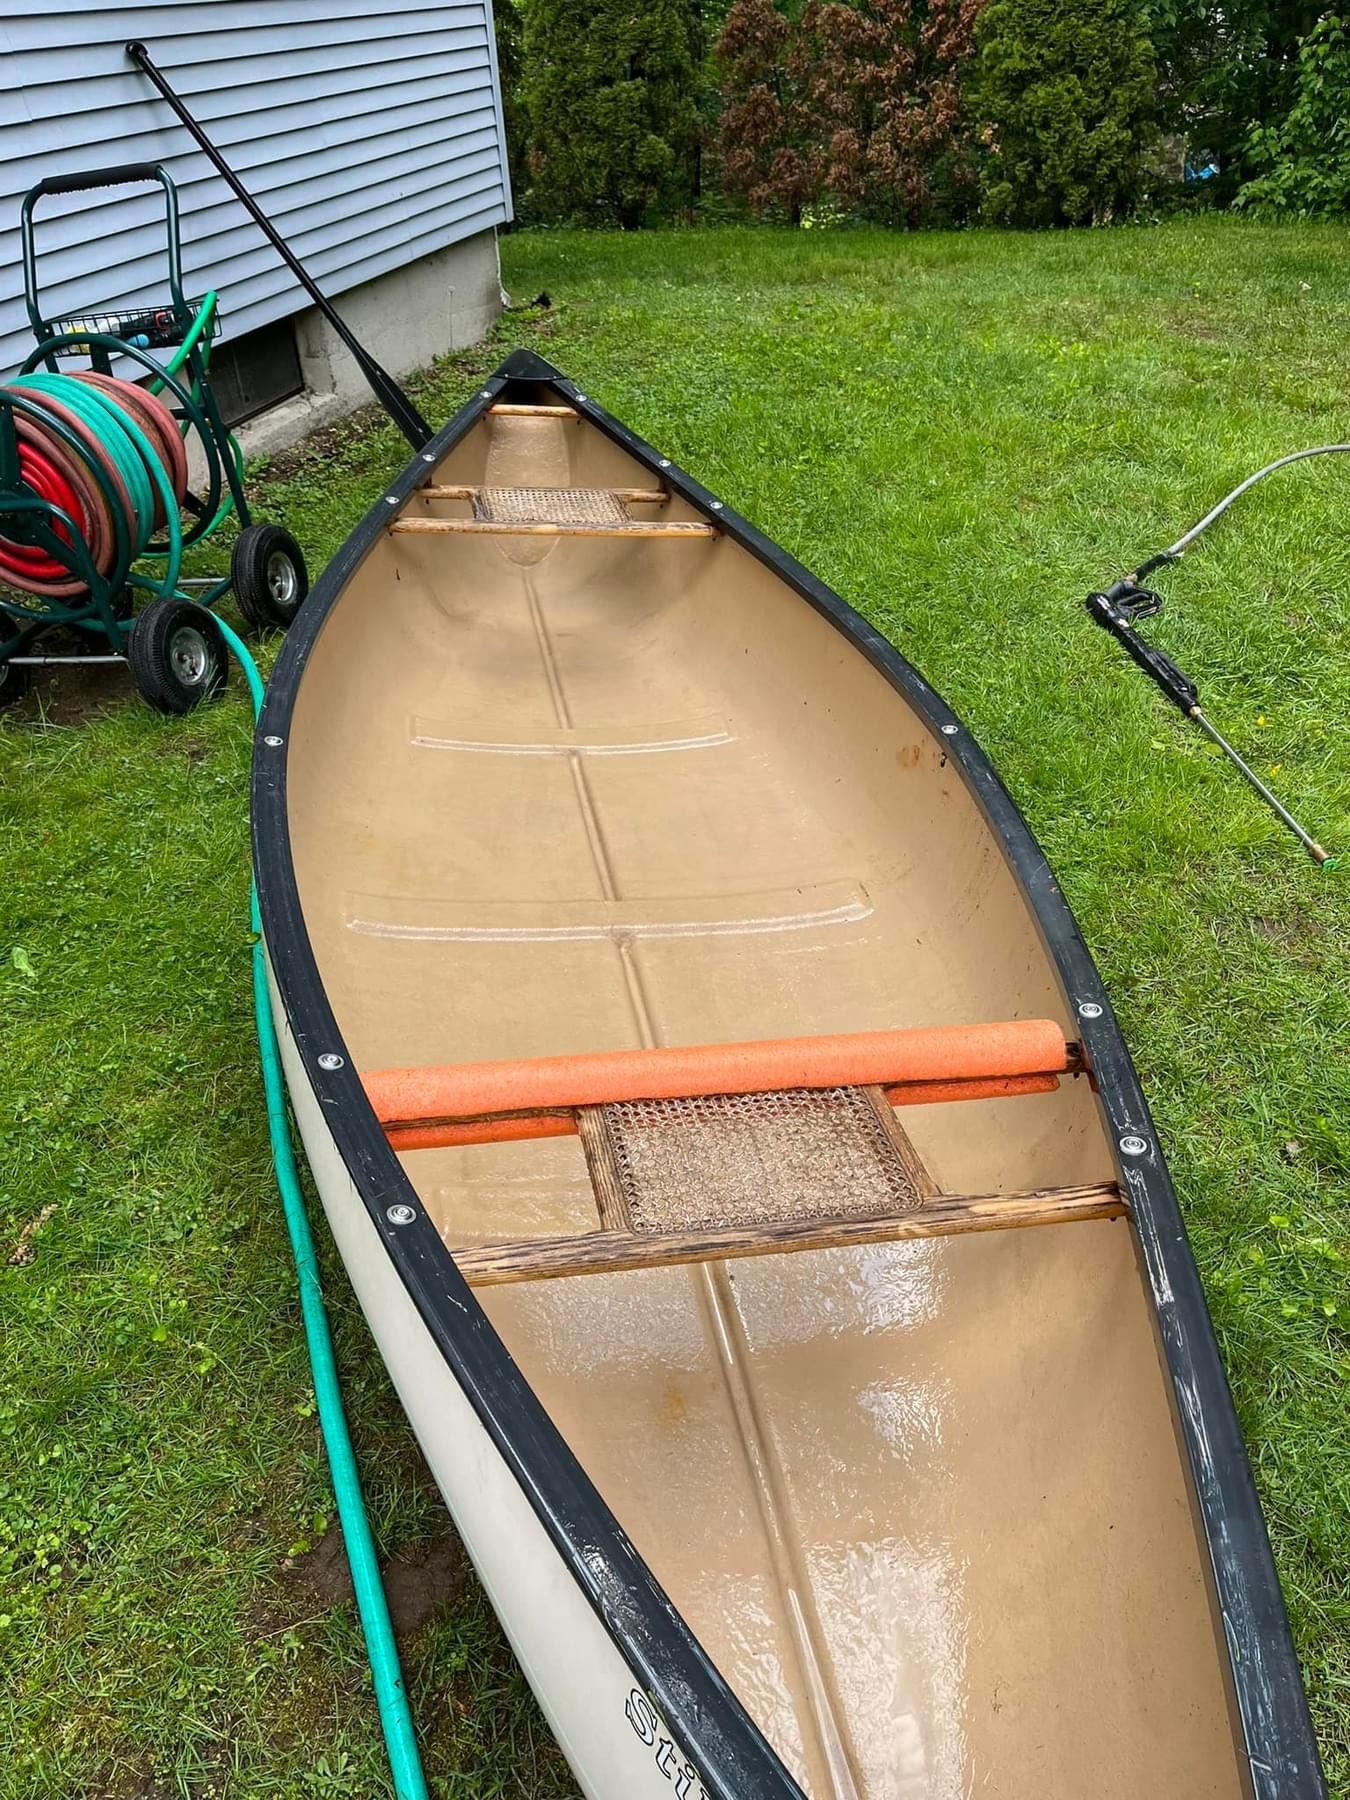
(717, 506)
(485, 394)
(331, 1060)
(950, 730)
(1089, 1009)
(399, 1215)
(664, 463)
(427, 456)
(581, 396)
(274, 743)
(391, 499)
(1134, 1146)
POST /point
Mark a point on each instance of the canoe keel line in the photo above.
(687, 1210)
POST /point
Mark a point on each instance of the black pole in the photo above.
(382, 384)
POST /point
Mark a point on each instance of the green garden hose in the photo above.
(206, 312)
(118, 457)
(391, 1697)
(199, 332)
(99, 464)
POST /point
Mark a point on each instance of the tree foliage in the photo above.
(1225, 68)
(916, 112)
(857, 106)
(1304, 159)
(1066, 92)
(610, 92)
(766, 136)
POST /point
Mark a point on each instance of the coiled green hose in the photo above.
(138, 463)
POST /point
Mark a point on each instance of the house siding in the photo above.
(371, 138)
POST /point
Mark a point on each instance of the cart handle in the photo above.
(113, 175)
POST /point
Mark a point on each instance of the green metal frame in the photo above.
(27, 517)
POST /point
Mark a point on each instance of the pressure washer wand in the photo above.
(1116, 611)
(1310, 844)
(382, 384)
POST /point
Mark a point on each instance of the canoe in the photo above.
(729, 1140)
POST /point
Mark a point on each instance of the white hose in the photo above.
(1183, 543)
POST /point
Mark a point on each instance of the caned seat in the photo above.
(703, 1152)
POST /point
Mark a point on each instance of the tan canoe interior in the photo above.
(922, 1502)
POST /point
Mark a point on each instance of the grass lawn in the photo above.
(962, 434)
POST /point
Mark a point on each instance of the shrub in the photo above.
(766, 133)
(855, 106)
(1065, 89)
(1304, 161)
(1225, 67)
(610, 91)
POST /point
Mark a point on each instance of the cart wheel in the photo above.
(269, 576)
(15, 679)
(177, 655)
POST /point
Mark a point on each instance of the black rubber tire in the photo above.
(269, 576)
(177, 655)
(15, 681)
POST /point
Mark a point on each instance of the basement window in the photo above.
(255, 372)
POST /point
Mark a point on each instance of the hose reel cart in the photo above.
(95, 509)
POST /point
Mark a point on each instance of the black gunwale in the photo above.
(733, 1759)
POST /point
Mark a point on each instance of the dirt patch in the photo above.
(1274, 929)
(129, 1784)
(420, 1587)
(23, 1251)
(76, 694)
(417, 1582)
(323, 445)
(1288, 933)
(70, 695)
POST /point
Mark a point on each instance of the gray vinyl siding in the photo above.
(370, 136)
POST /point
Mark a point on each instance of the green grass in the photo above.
(960, 433)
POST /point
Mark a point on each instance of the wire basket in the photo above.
(146, 328)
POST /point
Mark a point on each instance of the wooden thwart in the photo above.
(504, 409)
(678, 528)
(941, 1215)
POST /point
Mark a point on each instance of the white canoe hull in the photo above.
(614, 1742)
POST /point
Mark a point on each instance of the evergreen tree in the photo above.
(1065, 90)
(611, 91)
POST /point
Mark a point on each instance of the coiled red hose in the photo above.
(84, 445)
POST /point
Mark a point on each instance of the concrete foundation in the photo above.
(405, 319)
